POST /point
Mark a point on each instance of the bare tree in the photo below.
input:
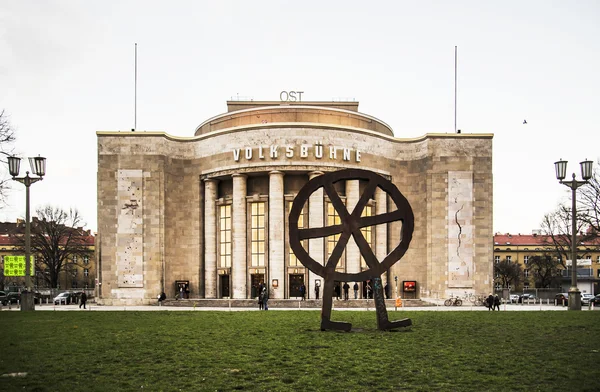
(56, 237)
(508, 273)
(557, 227)
(546, 271)
(7, 137)
(589, 200)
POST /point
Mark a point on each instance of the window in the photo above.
(257, 227)
(526, 273)
(597, 259)
(86, 259)
(497, 286)
(367, 232)
(526, 286)
(496, 259)
(525, 259)
(302, 224)
(509, 258)
(225, 236)
(333, 219)
(75, 259)
(86, 272)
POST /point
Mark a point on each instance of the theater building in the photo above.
(209, 212)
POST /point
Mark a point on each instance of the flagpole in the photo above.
(455, 67)
(135, 92)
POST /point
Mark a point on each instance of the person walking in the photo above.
(490, 302)
(346, 288)
(265, 297)
(337, 291)
(303, 291)
(83, 300)
(260, 300)
(497, 302)
(317, 289)
(161, 298)
(355, 290)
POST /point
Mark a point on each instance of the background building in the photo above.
(210, 212)
(523, 248)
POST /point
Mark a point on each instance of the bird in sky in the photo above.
(524, 121)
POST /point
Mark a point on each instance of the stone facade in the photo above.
(163, 203)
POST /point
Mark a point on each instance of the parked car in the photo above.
(65, 298)
(561, 299)
(14, 297)
(514, 298)
(526, 298)
(596, 300)
(2, 297)
(586, 298)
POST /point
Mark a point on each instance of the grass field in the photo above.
(286, 351)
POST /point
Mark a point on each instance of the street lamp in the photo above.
(586, 174)
(38, 167)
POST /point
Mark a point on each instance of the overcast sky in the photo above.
(67, 71)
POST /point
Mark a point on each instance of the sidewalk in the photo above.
(153, 308)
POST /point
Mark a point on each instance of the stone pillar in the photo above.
(352, 251)
(239, 260)
(380, 245)
(316, 246)
(276, 233)
(210, 238)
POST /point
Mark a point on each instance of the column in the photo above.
(210, 238)
(238, 225)
(381, 250)
(276, 233)
(316, 247)
(352, 251)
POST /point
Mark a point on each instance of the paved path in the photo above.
(95, 308)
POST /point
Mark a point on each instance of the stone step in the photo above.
(288, 303)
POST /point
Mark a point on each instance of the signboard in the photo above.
(15, 266)
(409, 286)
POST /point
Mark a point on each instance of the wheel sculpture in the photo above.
(351, 224)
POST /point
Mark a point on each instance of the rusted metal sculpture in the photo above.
(351, 223)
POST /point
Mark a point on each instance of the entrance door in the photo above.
(296, 280)
(224, 284)
(256, 280)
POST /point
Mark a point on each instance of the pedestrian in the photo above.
(490, 302)
(187, 292)
(497, 302)
(346, 288)
(260, 300)
(317, 289)
(355, 290)
(387, 291)
(83, 300)
(265, 297)
(180, 291)
(303, 291)
(337, 291)
(161, 298)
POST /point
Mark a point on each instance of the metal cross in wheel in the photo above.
(351, 225)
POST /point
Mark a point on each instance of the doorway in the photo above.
(296, 280)
(256, 280)
(224, 285)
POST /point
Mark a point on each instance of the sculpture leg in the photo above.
(383, 323)
(326, 322)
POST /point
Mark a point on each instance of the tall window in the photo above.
(496, 259)
(258, 234)
(225, 236)
(509, 258)
(526, 286)
(525, 259)
(86, 272)
(333, 219)
(75, 259)
(367, 232)
(302, 224)
(86, 259)
(526, 272)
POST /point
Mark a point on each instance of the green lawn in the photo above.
(286, 350)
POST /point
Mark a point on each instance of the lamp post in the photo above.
(586, 174)
(38, 167)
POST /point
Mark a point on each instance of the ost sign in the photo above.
(291, 96)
